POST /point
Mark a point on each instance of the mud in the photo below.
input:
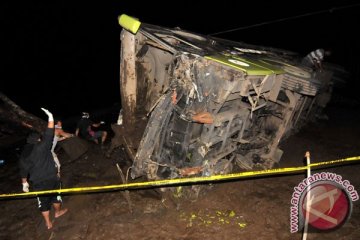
(256, 208)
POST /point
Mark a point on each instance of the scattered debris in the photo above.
(209, 218)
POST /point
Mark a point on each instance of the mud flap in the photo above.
(277, 155)
(158, 118)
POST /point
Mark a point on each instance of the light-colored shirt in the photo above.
(56, 160)
(316, 56)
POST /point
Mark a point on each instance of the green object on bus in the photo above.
(129, 23)
(250, 66)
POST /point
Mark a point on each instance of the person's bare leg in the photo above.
(103, 137)
(58, 211)
(46, 216)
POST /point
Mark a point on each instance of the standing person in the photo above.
(37, 163)
(89, 130)
(59, 135)
(315, 58)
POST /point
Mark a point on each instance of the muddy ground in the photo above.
(244, 209)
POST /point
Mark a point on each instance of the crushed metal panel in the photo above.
(274, 91)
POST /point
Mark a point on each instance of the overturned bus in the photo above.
(199, 105)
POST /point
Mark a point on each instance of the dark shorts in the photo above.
(45, 201)
(97, 135)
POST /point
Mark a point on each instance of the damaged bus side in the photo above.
(198, 105)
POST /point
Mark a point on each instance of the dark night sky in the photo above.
(65, 56)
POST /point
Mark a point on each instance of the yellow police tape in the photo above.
(167, 182)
